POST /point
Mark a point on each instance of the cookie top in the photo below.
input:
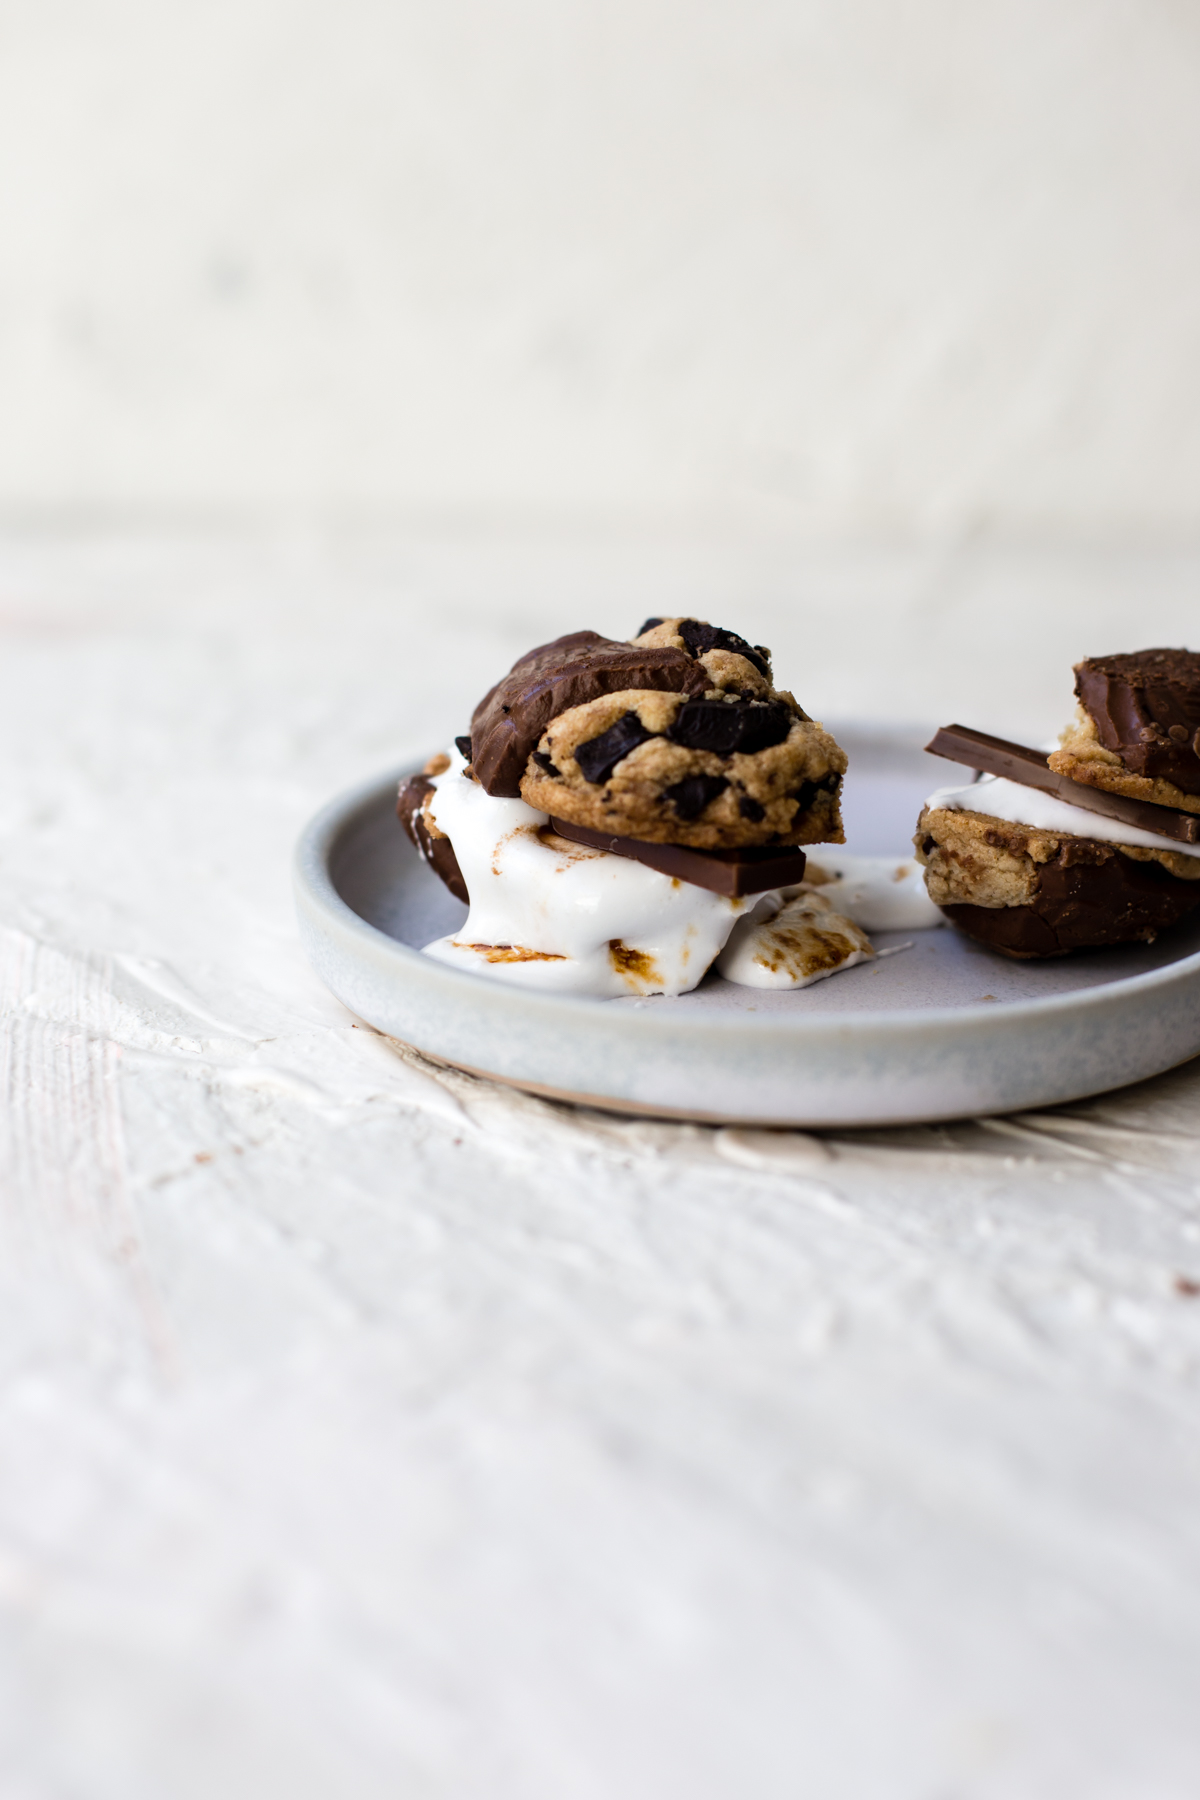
(678, 736)
(1145, 705)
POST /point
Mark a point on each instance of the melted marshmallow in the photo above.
(1019, 805)
(790, 943)
(564, 918)
(880, 893)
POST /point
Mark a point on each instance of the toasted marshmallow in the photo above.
(1017, 804)
(792, 942)
(564, 918)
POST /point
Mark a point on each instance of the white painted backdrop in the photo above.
(840, 266)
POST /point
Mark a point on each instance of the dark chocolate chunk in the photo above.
(647, 625)
(806, 794)
(701, 638)
(726, 727)
(694, 794)
(437, 851)
(749, 808)
(735, 872)
(463, 746)
(1088, 896)
(1146, 707)
(599, 756)
(509, 720)
(1017, 762)
(546, 764)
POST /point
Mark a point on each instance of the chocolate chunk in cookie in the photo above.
(809, 792)
(725, 727)
(700, 638)
(600, 755)
(694, 794)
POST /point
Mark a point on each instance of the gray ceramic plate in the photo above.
(942, 1030)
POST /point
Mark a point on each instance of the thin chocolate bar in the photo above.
(734, 872)
(1018, 762)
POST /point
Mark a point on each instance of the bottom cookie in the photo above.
(1033, 894)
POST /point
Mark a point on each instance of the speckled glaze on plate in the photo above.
(942, 1030)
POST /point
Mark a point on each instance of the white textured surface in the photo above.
(838, 263)
(368, 1430)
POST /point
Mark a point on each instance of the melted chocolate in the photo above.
(1090, 895)
(572, 670)
(1146, 708)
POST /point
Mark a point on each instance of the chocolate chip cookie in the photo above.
(678, 736)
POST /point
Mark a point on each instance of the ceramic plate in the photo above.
(941, 1030)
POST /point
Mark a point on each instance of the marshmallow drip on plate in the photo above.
(564, 918)
(791, 940)
(880, 893)
(805, 933)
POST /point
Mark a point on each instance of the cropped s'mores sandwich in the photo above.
(1096, 843)
(624, 813)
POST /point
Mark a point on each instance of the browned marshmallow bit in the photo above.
(698, 748)
(1137, 728)
(1031, 893)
